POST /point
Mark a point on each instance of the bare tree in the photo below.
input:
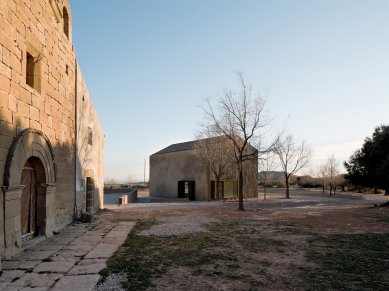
(267, 164)
(216, 153)
(293, 157)
(239, 115)
(322, 176)
(332, 172)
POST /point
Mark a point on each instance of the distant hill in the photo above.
(274, 176)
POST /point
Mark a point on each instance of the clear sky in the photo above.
(150, 64)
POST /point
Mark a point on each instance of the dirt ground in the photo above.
(304, 242)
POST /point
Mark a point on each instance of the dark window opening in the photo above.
(90, 136)
(66, 22)
(226, 189)
(32, 72)
(67, 70)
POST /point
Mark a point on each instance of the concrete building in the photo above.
(178, 172)
(51, 141)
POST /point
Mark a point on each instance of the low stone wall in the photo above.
(133, 196)
(113, 198)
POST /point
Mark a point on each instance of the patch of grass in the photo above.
(382, 219)
(218, 253)
(348, 262)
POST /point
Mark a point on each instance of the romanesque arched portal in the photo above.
(29, 187)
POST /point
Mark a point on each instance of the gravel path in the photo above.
(178, 225)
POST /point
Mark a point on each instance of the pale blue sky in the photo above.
(150, 64)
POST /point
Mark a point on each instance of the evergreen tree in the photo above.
(369, 166)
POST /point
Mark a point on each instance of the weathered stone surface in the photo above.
(46, 247)
(11, 275)
(87, 240)
(53, 267)
(101, 251)
(79, 248)
(117, 241)
(88, 266)
(21, 265)
(27, 288)
(39, 76)
(33, 255)
(125, 225)
(82, 282)
(65, 257)
(117, 233)
(57, 240)
(4, 285)
(36, 280)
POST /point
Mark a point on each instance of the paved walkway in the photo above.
(70, 260)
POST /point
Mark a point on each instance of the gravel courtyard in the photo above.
(310, 241)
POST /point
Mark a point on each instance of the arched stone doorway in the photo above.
(29, 190)
(32, 201)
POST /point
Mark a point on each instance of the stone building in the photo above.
(178, 172)
(51, 142)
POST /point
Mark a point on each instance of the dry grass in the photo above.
(265, 247)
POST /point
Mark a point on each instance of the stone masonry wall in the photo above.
(90, 148)
(34, 34)
(31, 26)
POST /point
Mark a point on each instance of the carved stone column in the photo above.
(12, 228)
(51, 189)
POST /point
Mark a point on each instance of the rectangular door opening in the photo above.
(186, 189)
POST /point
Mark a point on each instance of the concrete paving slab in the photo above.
(69, 235)
(11, 275)
(101, 251)
(76, 283)
(47, 247)
(125, 225)
(87, 239)
(75, 247)
(27, 289)
(117, 233)
(57, 240)
(118, 241)
(53, 267)
(4, 285)
(65, 257)
(88, 266)
(21, 265)
(33, 255)
(36, 280)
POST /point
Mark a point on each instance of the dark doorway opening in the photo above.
(186, 189)
(32, 201)
(90, 190)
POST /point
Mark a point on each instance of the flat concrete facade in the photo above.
(167, 169)
(46, 114)
(171, 167)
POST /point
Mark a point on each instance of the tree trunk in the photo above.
(334, 189)
(217, 189)
(287, 186)
(240, 188)
(264, 188)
